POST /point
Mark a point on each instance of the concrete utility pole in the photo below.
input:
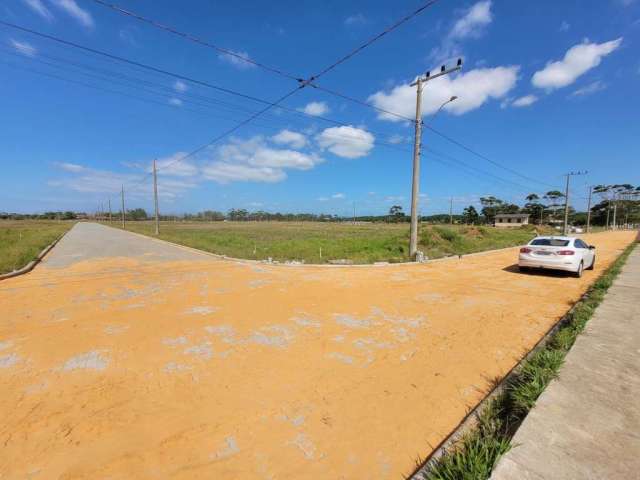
(565, 230)
(615, 209)
(451, 211)
(417, 145)
(122, 206)
(155, 197)
(589, 210)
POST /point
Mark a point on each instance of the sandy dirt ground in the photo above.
(153, 367)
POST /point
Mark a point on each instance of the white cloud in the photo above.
(578, 60)
(71, 8)
(293, 139)
(93, 181)
(175, 102)
(70, 167)
(346, 141)
(357, 19)
(472, 88)
(316, 109)
(471, 24)
(222, 172)
(254, 160)
(127, 36)
(40, 8)
(25, 48)
(474, 20)
(238, 59)
(338, 196)
(525, 101)
(176, 165)
(322, 199)
(180, 86)
(395, 139)
(590, 89)
(564, 26)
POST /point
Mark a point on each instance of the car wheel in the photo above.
(580, 269)
(593, 263)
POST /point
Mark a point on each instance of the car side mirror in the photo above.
(592, 247)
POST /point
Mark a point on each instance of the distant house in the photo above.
(511, 219)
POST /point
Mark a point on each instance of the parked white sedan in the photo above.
(557, 253)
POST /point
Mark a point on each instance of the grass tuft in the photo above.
(474, 456)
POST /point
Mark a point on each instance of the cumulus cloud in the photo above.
(315, 108)
(473, 21)
(470, 24)
(525, 101)
(254, 160)
(589, 89)
(176, 165)
(71, 8)
(238, 59)
(39, 7)
(180, 86)
(25, 48)
(472, 88)
(346, 141)
(578, 60)
(293, 139)
(338, 196)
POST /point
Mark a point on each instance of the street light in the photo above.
(433, 117)
(413, 235)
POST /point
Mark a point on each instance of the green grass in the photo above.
(307, 241)
(22, 240)
(475, 455)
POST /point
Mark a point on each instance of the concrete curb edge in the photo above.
(469, 421)
(32, 264)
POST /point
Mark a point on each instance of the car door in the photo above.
(587, 254)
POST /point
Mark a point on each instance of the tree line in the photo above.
(617, 203)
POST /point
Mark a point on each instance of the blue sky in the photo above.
(547, 87)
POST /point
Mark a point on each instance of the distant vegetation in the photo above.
(21, 241)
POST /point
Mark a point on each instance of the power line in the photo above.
(311, 80)
(372, 40)
(193, 38)
(483, 157)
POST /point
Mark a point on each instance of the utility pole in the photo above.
(589, 210)
(417, 145)
(155, 196)
(354, 213)
(615, 209)
(451, 211)
(122, 206)
(565, 230)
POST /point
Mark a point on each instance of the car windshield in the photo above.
(550, 242)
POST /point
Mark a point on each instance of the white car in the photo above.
(557, 253)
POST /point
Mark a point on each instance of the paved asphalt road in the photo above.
(122, 357)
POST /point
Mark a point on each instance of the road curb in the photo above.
(315, 265)
(32, 264)
(469, 422)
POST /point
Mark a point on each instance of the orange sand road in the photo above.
(124, 368)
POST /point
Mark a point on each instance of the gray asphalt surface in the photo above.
(87, 241)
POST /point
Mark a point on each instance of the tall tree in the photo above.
(470, 215)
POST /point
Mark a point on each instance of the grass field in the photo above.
(316, 242)
(22, 240)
